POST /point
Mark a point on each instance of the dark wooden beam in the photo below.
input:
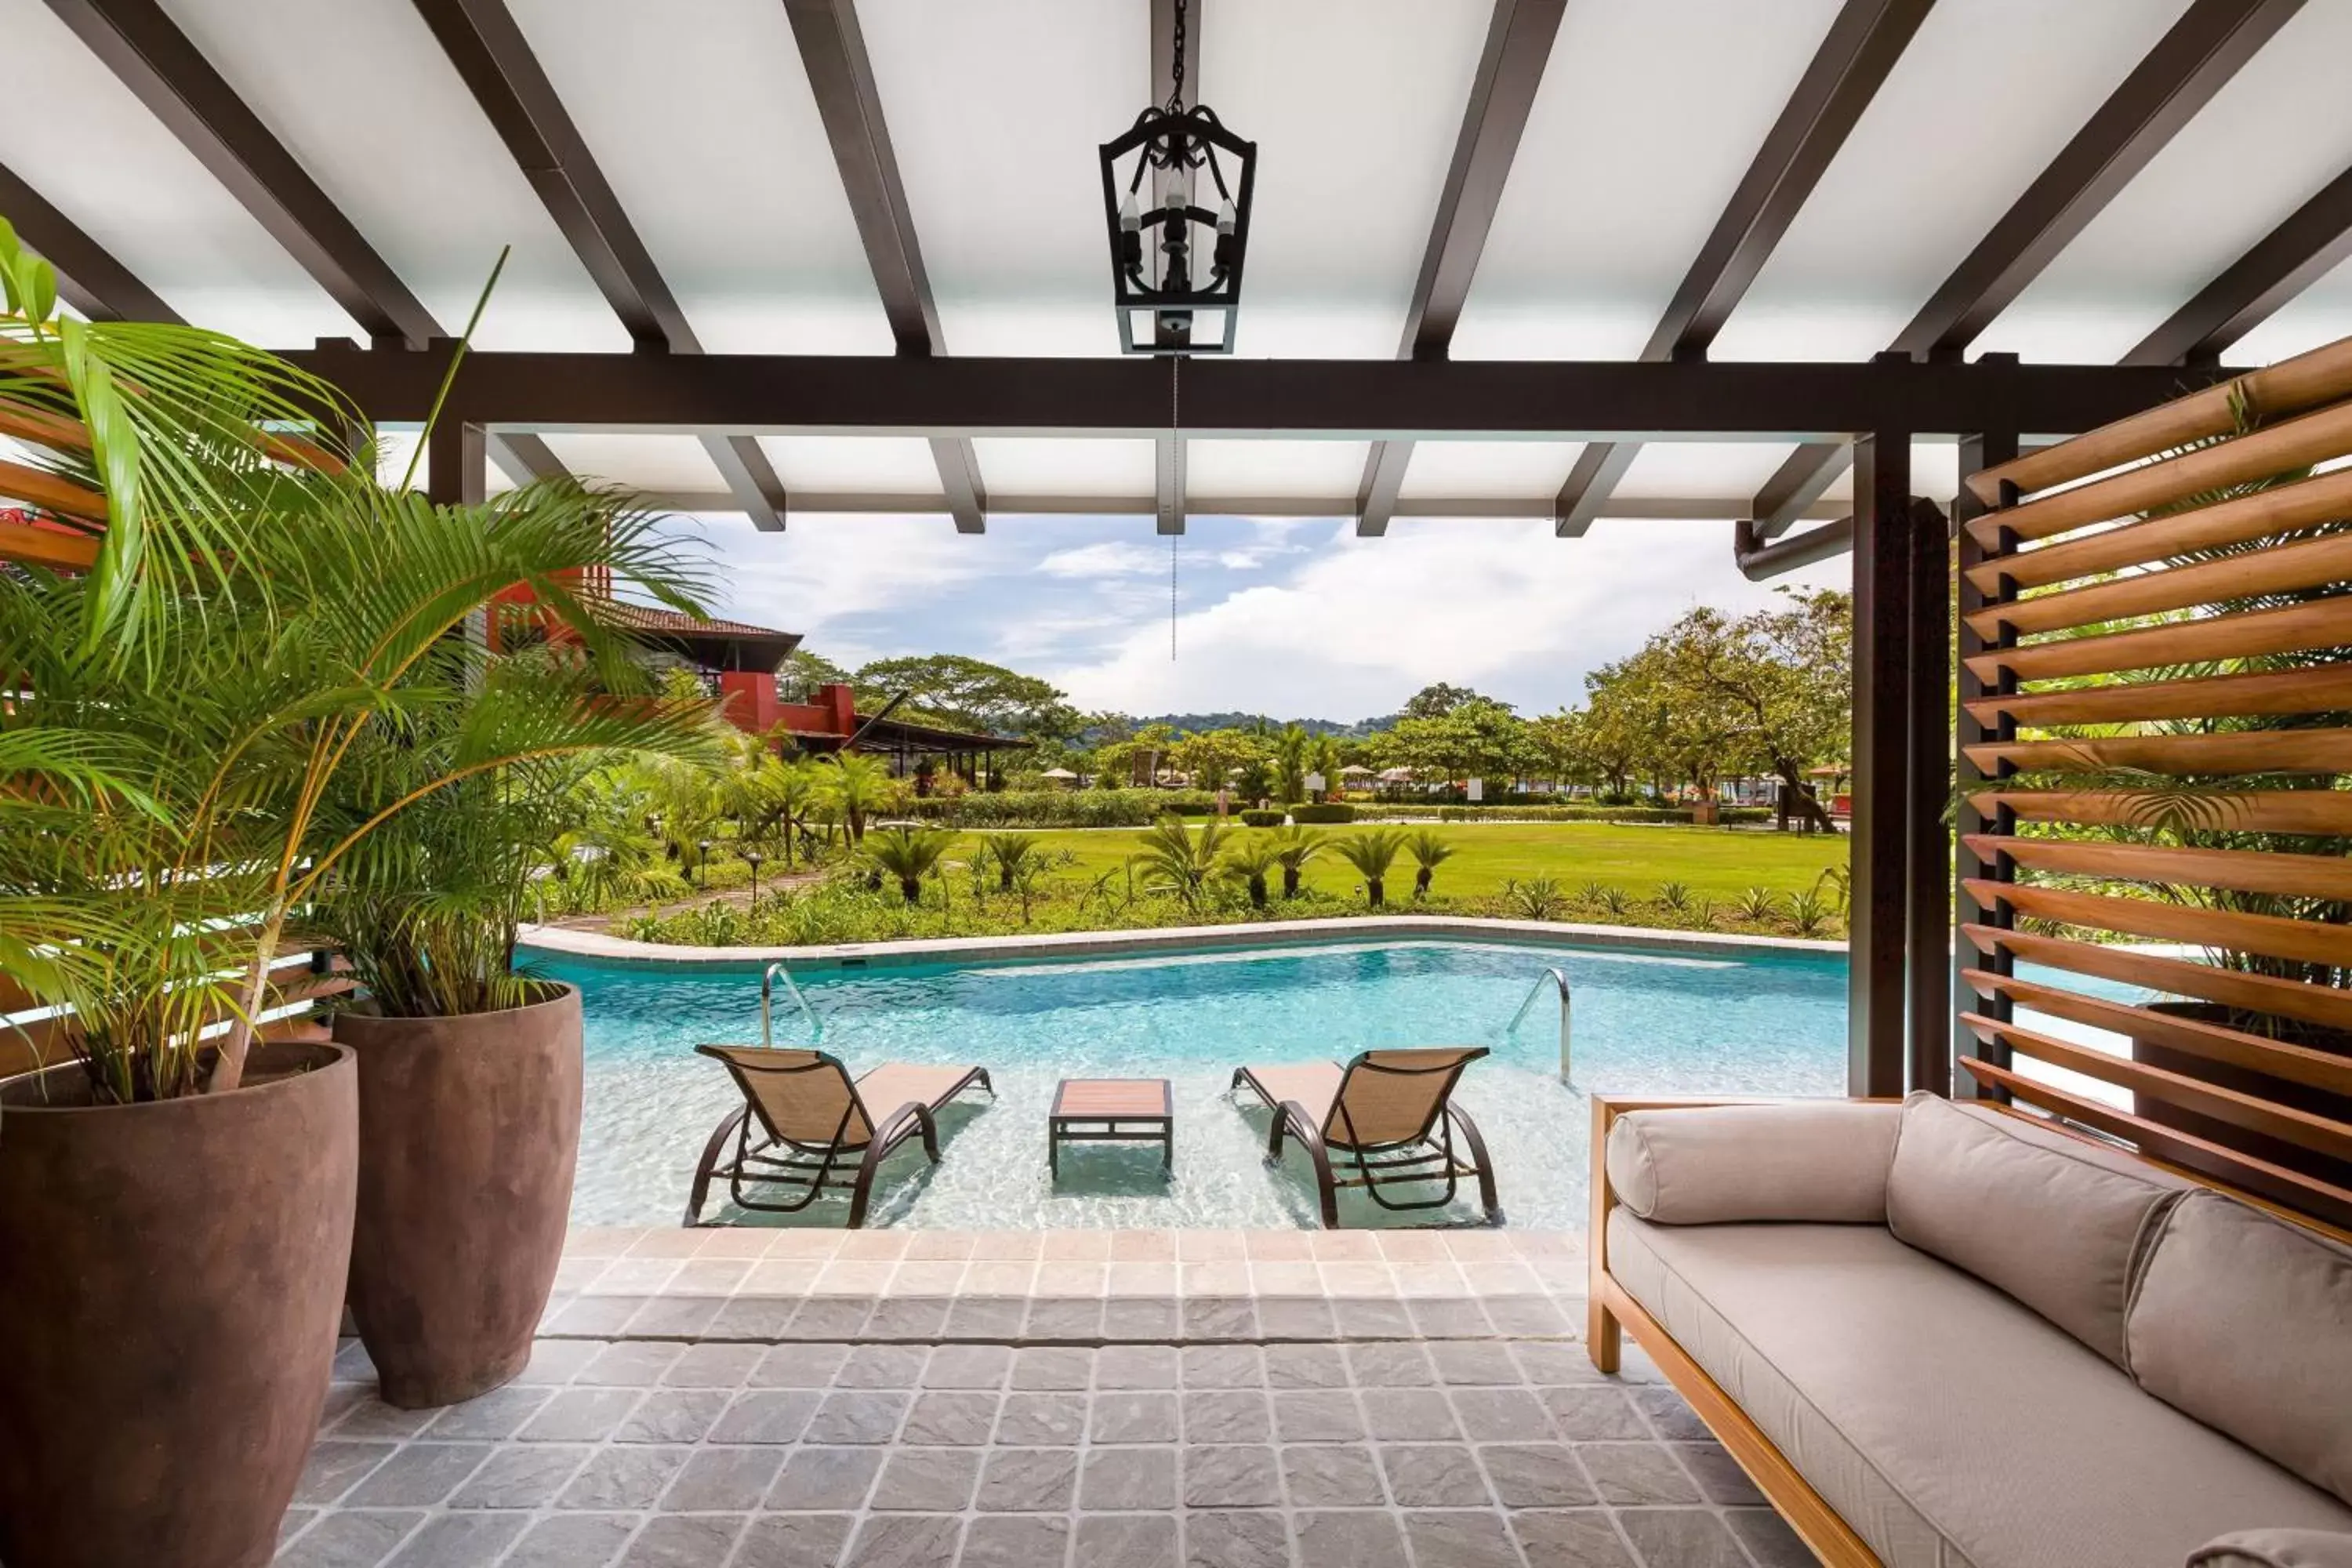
(1927, 930)
(833, 51)
(496, 65)
(1599, 468)
(1803, 477)
(1845, 73)
(1877, 909)
(2312, 241)
(88, 277)
(1336, 399)
(1519, 35)
(2179, 77)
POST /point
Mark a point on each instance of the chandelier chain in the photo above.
(1176, 64)
(1175, 454)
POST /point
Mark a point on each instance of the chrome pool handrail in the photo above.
(767, 989)
(1559, 977)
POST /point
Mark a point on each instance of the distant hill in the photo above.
(1194, 724)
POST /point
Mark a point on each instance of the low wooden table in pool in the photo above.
(1111, 1110)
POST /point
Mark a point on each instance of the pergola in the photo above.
(1581, 259)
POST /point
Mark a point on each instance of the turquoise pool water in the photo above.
(1648, 1022)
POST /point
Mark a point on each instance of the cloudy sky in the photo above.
(1292, 617)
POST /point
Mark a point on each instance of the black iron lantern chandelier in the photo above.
(1176, 265)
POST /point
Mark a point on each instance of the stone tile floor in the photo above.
(1051, 1444)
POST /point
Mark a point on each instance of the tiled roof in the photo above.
(640, 619)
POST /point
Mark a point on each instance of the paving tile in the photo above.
(349, 1539)
(1117, 1479)
(713, 1366)
(1293, 1318)
(1125, 1540)
(1681, 1538)
(1368, 1540)
(1408, 1414)
(1475, 1362)
(631, 1364)
(1053, 1367)
(1672, 1415)
(521, 1475)
(1237, 1476)
(581, 1416)
(793, 1541)
(1434, 1475)
(1060, 1317)
(293, 1522)
(498, 1413)
(336, 1466)
(372, 1417)
(1331, 1476)
(1223, 1366)
(799, 1366)
(1133, 1418)
(1041, 1420)
(987, 1317)
(752, 1318)
(1718, 1474)
(673, 1415)
(1138, 1366)
(1405, 1365)
(1599, 1413)
(777, 1414)
(1463, 1539)
(593, 1315)
(1227, 1416)
(882, 1366)
(830, 1317)
(1537, 1475)
(1014, 1540)
(1371, 1320)
(826, 1478)
(419, 1474)
(1032, 1480)
(573, 1541)
(908, 1318)
(1768, 1539)
(674, 1315)
(622, 1478)
(951, 1419)
(555, 1362)
(716, 1478)
(1237, 1541)
(858, 1416)
(1317, 1416)
(1583, 1539)
(1636, 1474)
(459, 1541)
(1305, 1366)
(926, 1480)
(1218, 1317)
(1140, 1318)
(1500, 1414)
(684, 1541)
(968, 1367)
(905, 1541)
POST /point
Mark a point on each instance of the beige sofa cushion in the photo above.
(2055, 1221)
(2245, 1322)
(1951, 1427)
(2276, 1549)
(1821, 1161)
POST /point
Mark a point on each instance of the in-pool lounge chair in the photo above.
(1387, 1118)
(817, 1128)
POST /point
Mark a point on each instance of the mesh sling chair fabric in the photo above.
(1390, 1119)
(805, 1126)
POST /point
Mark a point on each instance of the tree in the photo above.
(1136, 759)
(1437, 700)
(1476, 739)
(909, 854)
(1175, 861)
(808, 670)
(1784, 677)
(970, 694)
(1213, 758)
(1250, 861)
(1294, 847)
(1290, 763)
(1372, 854)
(853, 786)
(1430, 850)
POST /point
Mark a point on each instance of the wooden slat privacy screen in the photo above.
(2161, 709)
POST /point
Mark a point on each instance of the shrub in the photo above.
(1257, 819)
(1675, 896)
(1063, 808)
(1333, 812)
(1537, 898)
(1757, 905)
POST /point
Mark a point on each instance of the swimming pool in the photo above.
(1655, 1022)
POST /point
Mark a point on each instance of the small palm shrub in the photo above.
(1703, 914)
(1757, 905)
(1675, 896)
(1176, 861)
(1430, 850)
(1617, 902)
(1537, 898)
(1008, 852)
(1251, 860)
(1294, 847)
(908, 854)
(1809, 913)
(1592, 893)
(1372, 854)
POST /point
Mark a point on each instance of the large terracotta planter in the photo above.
(171, 1280)
(469, 1132)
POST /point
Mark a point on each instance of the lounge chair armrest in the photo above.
(894, 1128)
(2275, 1548)
(1816, 1161)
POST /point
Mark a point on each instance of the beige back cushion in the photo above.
(2275, 1548)
(2053, 1221)
(1820, 1162)
(2245, 1322)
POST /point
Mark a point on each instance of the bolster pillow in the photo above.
(1820, 1162)
(2275, 1548)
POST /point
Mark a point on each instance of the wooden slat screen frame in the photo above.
(2174, 619)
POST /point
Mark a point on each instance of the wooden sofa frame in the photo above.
(1611, 1312)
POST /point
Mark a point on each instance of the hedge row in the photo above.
(1503, 813)
(1063, 808)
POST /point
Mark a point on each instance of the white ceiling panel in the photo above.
(1044, 466)
(1935, 472)
(363, 95)
(995, 111)
(731, 183)
(640, 462)
(1983, 98)
(2319, 315)
(1308, 469)
(2271, 137)
(884, 465)
(92, 150)
(1512, 469)
(1649, 112)
(1355, 105)
(1713, 468)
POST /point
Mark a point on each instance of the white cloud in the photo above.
(1111, 559)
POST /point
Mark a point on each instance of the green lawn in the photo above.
(1713, 862)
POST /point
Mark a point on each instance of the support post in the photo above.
(1927, 938)
(1878, 906)
(1977, 452)
(458, 473)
